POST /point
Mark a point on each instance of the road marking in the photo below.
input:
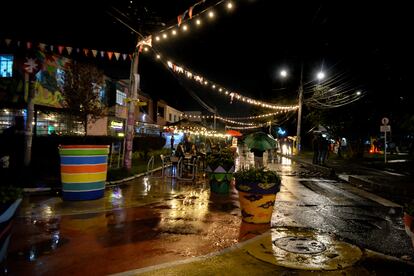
(378, 199)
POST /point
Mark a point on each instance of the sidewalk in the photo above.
(391, 185)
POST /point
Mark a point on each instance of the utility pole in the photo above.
(133, 98)
(298, 138)
(28, 133)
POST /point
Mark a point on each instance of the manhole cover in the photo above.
(301, 245)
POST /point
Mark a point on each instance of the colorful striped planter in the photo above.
(83, 171)
(7, 213)
(409, 226)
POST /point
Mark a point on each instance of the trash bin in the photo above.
(83, 171)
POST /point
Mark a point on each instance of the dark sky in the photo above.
(368, 43)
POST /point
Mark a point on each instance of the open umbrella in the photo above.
(260, 140)
(233, 133)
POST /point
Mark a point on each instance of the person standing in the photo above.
(258, 157)
(315, 147)
(172, 142)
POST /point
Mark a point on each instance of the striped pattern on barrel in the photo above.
(7, 213)
(83, 171)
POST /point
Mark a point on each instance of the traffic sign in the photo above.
(385, 128)
(385, 121)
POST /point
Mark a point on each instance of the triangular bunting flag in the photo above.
(86, 51)
(124, 56)
(190, 12)
(94, 53)
(60, 48)
(110, 55)
(102, 54)
(117, 55)
(8, 41)
(28, 45)
(42, 46)
(69, 49)
(179, 20)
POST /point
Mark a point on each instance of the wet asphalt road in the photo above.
(151, 221)
(307, 199)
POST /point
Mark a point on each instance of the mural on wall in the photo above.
(49, 80)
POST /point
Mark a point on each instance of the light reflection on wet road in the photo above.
(151, 221)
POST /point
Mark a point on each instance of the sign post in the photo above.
(385, 128)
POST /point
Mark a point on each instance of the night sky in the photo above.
(367, 44)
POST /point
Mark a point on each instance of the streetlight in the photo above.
(320, 75)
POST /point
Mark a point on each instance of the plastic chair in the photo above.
(192, 167)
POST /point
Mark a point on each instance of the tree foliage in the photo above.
(81, 92)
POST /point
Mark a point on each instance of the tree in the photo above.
(81, 92)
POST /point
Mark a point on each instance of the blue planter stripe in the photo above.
(10, 211)
(83, 195)
(80, 187)
(4, 244)
(78, 160)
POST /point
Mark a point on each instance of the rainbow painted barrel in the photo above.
(83, 171)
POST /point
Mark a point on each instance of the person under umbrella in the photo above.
(258, 157)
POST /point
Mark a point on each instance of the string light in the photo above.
(209, 11)
(246, 127)
(233, 95)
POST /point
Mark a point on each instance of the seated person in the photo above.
(179, 151)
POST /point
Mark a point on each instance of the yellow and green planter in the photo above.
(219, 179)
(83, 171)
(257, 200)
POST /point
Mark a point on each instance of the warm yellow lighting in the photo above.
(211, 14)
(146, 49)
(205, 82)
(220, 89)
(158, 56)
(214, 87)
(157, 38)
(198, 22)
(229, 5)
(164, 36)
(185, 28)
(174, 32)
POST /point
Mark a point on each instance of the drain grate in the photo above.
(300, 245)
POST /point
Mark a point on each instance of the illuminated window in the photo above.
(120, 97)
(6, 66)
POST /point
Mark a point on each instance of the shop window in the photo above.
(120, 97)
(6, 66)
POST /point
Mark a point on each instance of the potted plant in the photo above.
(409, 220)
(10, 199)
(220, 168)
(257, 189)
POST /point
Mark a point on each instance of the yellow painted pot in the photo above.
(256, 208)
